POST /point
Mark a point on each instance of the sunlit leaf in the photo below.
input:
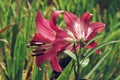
(71, 54)
(100, 46)
(84, 63)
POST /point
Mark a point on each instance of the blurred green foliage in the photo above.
(17, 27)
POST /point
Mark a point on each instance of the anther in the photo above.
(42, 50)
(35, 43)
(37, 54)
(28, 45)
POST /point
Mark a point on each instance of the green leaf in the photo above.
(98, 64)
(97, 37)
(117, 78)
(112, 35)
(72, 55)
(2, 66)
(40, 73)
(84, 62)
(98, 47)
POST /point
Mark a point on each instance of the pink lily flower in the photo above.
(82, 29)
(44, 40)
(77, 30)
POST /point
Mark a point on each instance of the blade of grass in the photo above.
(97, 65)
(90, 52)
(72, 55)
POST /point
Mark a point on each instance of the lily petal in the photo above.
(70, 19)
(55, 64)
(85, 20)
(53, 19)
(94, 29)
(92, 45)
(44, 28)
(86, 17)
(40, 60)
(61, 42)
(39, 38)
(50, 56)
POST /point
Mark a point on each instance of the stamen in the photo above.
(37, 54)
(28, 45)
(42, 50)
(36, 43)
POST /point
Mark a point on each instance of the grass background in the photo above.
(17, 27)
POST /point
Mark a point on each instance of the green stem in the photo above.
(77, 70)
(78, 63)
